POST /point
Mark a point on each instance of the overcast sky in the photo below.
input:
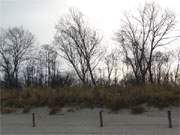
(40, 16)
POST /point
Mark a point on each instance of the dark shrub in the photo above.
(26, 109)
(54, 110)
(137, 110)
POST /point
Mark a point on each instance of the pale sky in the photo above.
(41, 16)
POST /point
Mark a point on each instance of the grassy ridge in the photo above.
(114, 98)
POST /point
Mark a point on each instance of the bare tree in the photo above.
(50, 62)
(29, 72)
(111, 63)
(79, 44)
(177, 71)
(161, 65)
(5, 65)
(141, 35)
(14, 46)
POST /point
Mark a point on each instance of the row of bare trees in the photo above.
(139, 58)
(19, 57)
(42, 70)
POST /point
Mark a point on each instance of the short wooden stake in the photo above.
(101, 118)
(33, 119)
(169, 119)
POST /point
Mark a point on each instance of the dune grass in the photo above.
(114, 98)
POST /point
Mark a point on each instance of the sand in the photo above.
(86, 122)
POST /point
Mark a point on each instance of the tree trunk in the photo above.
(91, 74)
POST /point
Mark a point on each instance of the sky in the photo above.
(41, 16)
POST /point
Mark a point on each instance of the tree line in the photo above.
(139, 58)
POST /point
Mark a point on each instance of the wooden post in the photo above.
(169, 119)
(101, 118)
(33, 119)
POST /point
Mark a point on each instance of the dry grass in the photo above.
(114, 98)
(5, 110)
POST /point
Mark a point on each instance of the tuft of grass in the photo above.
(116, 102)
(71, 110)
(137, 110)
(54, 110)
(26, 109)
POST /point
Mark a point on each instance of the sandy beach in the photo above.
(86, 122)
